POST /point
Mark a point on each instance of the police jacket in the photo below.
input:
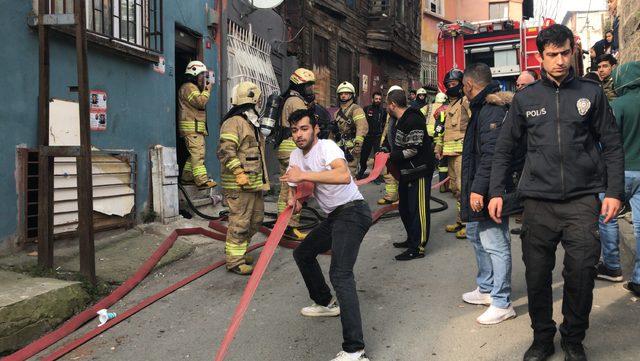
(242, 146)
(411, 148)
(488, 110)
(573, 144)
(376, 116)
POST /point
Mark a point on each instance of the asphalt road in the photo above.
(411, 310)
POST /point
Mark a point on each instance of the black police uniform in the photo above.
(376, 116)
(574, 152)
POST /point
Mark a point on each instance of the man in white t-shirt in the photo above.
(323, 163)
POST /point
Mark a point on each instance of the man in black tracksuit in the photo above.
(412, 158)
(376, 116)
(574, 152)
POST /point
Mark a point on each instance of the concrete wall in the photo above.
(629, 31)
(141, 105)
(478, 10)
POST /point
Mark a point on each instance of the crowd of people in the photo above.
(562, 154)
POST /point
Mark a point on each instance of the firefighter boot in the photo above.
(454, 228)
(295, 234)
(462, 233)
(243, 269)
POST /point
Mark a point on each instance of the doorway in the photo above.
(188, 47)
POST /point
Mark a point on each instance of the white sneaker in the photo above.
(356, 356)
(476, 297)
(494, 315)
(316, 310)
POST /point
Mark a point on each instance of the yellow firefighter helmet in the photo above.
(302, 76)
(245, 93)
(195, 67)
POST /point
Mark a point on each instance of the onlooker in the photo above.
(490, 240)
(603, 46)
(606, 63)
(574, 152)
(411, 154)
(626, 80)
(413, 94)
(376, 115)
(613, 11)
(525, 78)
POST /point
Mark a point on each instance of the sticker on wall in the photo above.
(365, 83)
(98, 110)
(159, 67)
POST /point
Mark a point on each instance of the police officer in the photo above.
(574, 152)
(455, 126)
(299, 96)
(192, 123)
(243, 173)
(376, 116)
(352, 124)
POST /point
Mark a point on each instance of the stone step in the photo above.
(30, 306)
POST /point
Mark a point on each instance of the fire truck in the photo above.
(506, 46)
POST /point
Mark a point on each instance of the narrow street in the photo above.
(411, 310)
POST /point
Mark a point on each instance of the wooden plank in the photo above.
(85, 199)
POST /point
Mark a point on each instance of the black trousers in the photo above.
(371, 142)
(414, 197)
(574, 223)
(342, 232)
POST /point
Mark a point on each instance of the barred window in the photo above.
(137, 23)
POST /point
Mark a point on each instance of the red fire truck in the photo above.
(504, 45)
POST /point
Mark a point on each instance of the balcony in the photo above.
(394, 26)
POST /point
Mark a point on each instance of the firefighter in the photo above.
(352, 125)
(434, 113)
(455, 126)
(300, 95)
(192, 99)
(390, 183)
(243, 173)
(421, 99)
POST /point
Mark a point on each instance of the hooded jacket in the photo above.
(574, 147)
(488, 110)
(626, 82)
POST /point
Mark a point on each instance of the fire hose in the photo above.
(274, 239)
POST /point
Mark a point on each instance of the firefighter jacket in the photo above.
(434, 114)
(574, 146)
(242, 146)
(192, 102)
(293, 102)
(455, 125)
(352, 125)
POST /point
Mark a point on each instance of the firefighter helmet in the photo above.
(346, 87)
(302, 76)
(245, 93)
(441, 98)
(453, 74)
(394, 87)
(195, 67)
(421, 91)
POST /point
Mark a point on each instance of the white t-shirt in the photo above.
(319, 158)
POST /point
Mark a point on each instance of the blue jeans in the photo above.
(492, 245)
(609, 232)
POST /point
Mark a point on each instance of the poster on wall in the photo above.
(159, 67)
(98, 110)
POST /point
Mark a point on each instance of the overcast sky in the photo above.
(560, 7)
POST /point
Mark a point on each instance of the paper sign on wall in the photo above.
(159, 67)
(98, 110)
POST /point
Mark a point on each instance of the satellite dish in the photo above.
(265, 4)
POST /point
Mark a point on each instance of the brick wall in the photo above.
(629, 31)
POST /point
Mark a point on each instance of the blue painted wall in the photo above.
(141, 103)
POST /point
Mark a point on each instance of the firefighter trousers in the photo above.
(454, 172)
(283, 198)
(194, 169)
(390, 187)
(246, 213)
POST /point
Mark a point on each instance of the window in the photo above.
(320, 59)
(429, 69)
(137, 23)
(400, 10)
(436, 7)
(351, 3)
(499, 10)
(345, 66)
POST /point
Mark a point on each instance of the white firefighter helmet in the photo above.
(421, 91)
(195, 67)
(245, 93)
(394, 87)
(346, 87)
(302, 76)
(441, 98)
